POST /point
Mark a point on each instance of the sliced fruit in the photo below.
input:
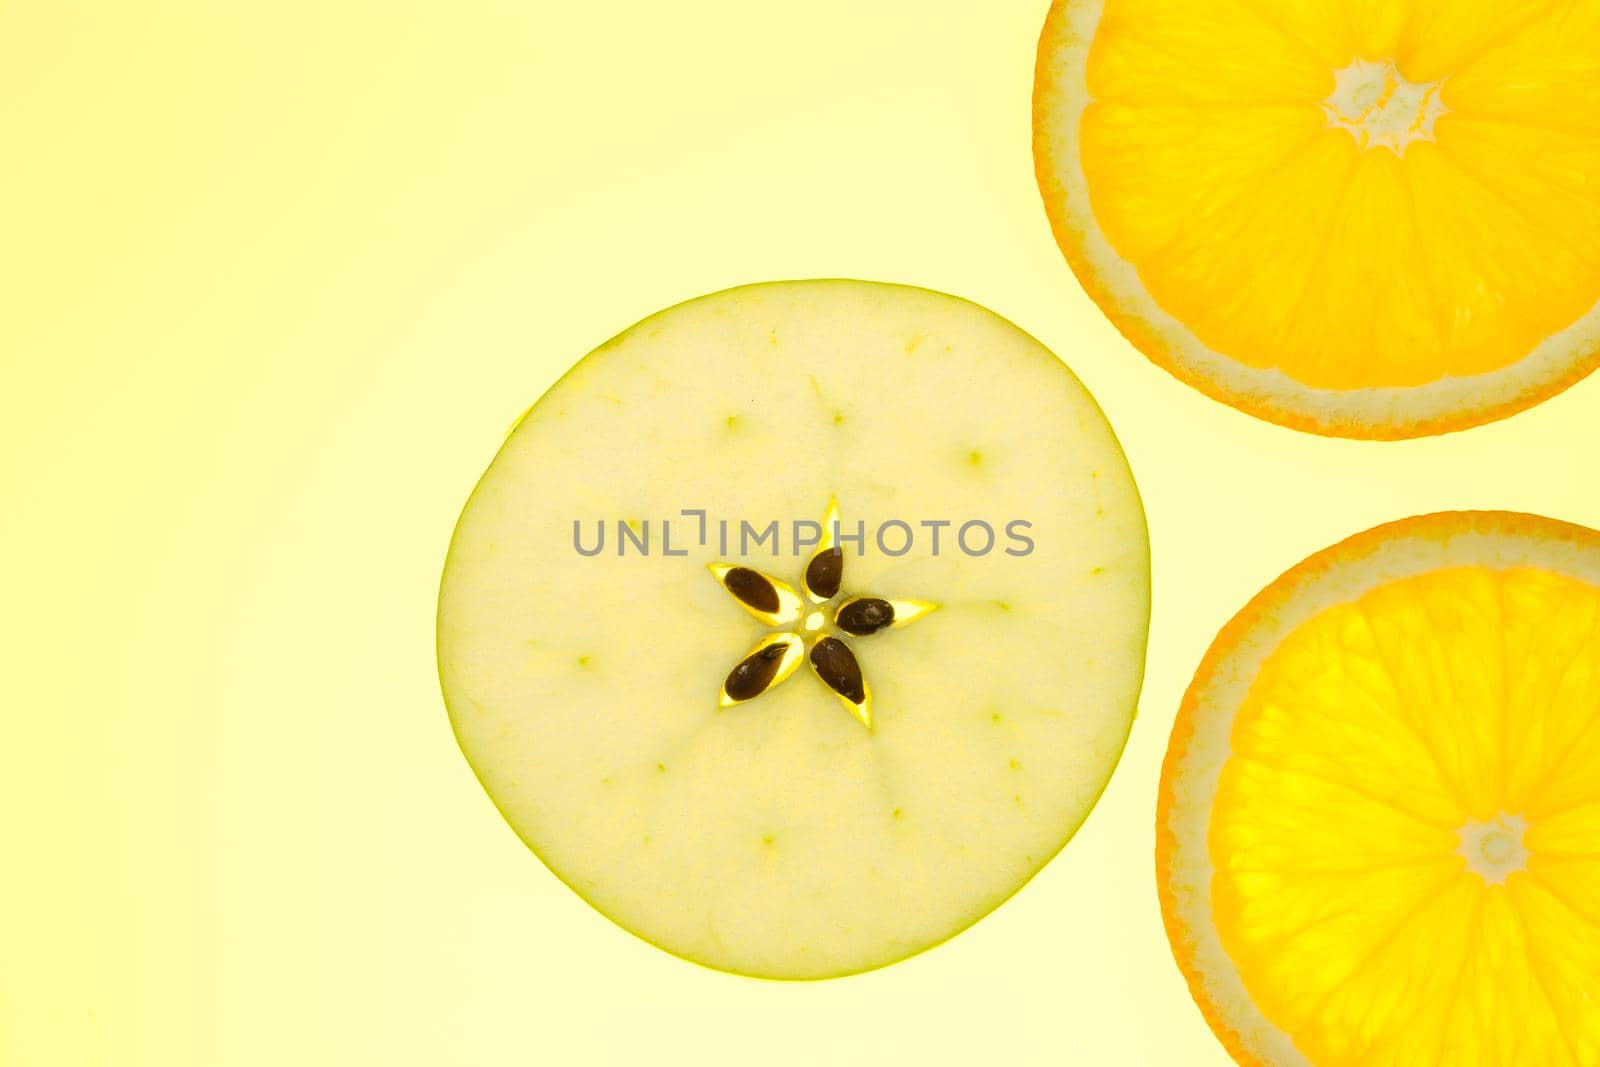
(1374, 220)
(643, 725)
(1379, 820)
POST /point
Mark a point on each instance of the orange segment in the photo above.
(1224, 159)
(1442, 37)
(1162, 52)
(1545, 73)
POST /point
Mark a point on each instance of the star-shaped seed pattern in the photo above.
(797, 622)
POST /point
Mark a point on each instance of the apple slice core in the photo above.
(870, 799)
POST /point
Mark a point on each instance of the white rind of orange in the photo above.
(1201, 735)
(1060, 96)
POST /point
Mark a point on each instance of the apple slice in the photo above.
(824, 750)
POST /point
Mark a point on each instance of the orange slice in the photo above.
(1372, 220)
(1379, 821)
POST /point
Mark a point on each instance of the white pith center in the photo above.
(813, 622)
(1380, 108)
(1494, 850)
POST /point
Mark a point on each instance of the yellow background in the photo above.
(274, 281)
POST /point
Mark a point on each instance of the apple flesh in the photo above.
(780, 836)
